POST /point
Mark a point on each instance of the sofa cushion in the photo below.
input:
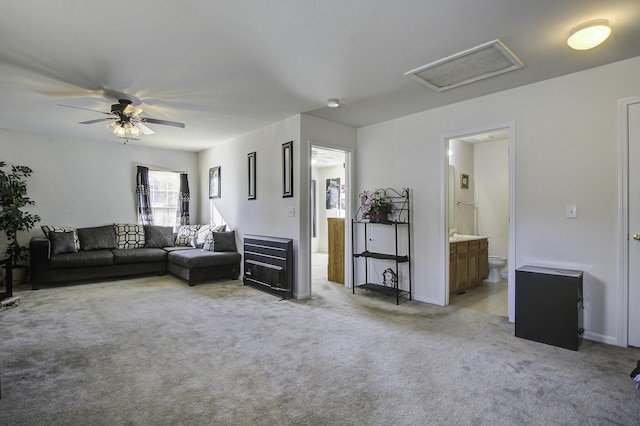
(97, 238)
(186, 233)
(139, 255)
(158, 236)
(204, 235)
(224, 241)
(192, 259)
(62, 242)
(129, 236)
(81, 259)
(176, 248)
(47, 229)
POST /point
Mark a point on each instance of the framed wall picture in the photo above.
(333, 193)
(214, 182)
(251, 169)
(464, 181)
(287, 169)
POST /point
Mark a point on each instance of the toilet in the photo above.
(496, 263)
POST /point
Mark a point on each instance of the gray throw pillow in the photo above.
(97, 238)
(158, 236)
(224, 241)
(62, 242)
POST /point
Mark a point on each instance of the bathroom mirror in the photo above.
(451, 211)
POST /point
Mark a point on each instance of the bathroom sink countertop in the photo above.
(461, 237)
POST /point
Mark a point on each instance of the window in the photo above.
(165, 187)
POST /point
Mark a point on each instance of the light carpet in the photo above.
(154, 351)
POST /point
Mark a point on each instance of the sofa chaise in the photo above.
(196, 253)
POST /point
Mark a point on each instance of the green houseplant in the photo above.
(13, 217)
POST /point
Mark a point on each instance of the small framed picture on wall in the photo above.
(251, 166)
(214, 182)
(287, 169)
(464, 181)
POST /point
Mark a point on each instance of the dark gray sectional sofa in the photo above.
(197, 253)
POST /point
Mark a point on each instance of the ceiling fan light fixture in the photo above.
(124, 129)
(589, 34)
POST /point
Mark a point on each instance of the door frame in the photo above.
(444, 195)
(623, 183)
(348, 173)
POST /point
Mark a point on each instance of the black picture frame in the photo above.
(251, 171)
(215, 182)
(287, 169)
(464, 181)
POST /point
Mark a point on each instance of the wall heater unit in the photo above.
(268, 264)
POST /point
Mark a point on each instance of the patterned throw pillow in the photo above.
(186, 233)
(47, 229)
(208, 242)
(204, 235)
(129, 236)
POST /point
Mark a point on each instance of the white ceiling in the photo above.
(228, 67)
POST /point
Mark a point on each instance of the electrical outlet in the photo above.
(292, 211)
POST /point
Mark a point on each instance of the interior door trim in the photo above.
(623, 206)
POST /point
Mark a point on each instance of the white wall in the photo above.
(462, 159)
(566, 151)
(491, 179)
(268, 213)
(83, 183)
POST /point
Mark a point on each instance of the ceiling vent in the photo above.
(471, 65)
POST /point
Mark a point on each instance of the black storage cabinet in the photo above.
(549, 307)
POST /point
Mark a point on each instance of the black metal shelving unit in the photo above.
(400, 222)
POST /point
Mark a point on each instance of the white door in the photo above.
(634, 225)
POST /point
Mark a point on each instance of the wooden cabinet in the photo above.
(453, 284)
(472, 277)
(468, 264)
(483, 260)
(462, 265)
(335, 266)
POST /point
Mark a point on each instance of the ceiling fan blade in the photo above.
(165, 122)
(86, 109)
(144, 129)
(98, 120)
(132, 111)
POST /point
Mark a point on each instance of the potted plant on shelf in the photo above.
(13, 218)
(376, 206)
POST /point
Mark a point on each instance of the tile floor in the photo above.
(488, 297)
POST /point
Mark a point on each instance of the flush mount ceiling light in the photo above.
(333, 103)
(589, 35)
(477, 63)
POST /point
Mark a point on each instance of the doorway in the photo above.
(479, 175)
(629, 329)
(329, 216)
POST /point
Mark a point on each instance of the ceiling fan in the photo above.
(126, 121)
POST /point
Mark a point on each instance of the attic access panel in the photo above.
(480, 62)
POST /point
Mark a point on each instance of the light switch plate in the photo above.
(292, 211)
(572, 211)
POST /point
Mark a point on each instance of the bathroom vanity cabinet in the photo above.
(468, 263)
